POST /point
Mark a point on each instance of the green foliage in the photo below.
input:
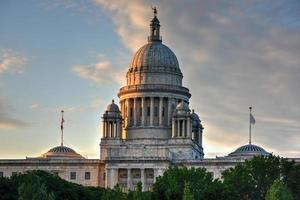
(203, 186)
(138, 194)
(252, 179)
(187, 195)
(115, 193)
(8, 191)
(33, 189)
(279, 191)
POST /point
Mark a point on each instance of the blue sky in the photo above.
(73, 55)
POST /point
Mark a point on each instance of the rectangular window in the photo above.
(87, 175)
(141, 110)
(148, 111)
(163, 111)
(73, 175)
(155, 111)
(1, 174)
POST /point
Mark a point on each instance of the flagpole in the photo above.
(62, 129)
(250, 108)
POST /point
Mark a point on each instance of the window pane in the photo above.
(73, 175)
(87, 175)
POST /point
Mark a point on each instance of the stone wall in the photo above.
(87, 171)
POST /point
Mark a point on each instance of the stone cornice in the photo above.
(154, 88)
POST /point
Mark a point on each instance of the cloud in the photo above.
(233, 55)
(101, 71)
(7, 117)
(11, 62)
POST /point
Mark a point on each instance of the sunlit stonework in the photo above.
(152, 129)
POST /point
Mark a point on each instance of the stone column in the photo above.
(103, 129)
(169, 112)
(173, 128)
(160, 116)
(178, 128)
(151, 110)
(108, 129)
(199, 137)
(143, 179)
(116, 129)
(107, 178)
(127, 112)
(122, 109)
(129, 179)
(112, 129)
(120, 128)
(143, 110)
(188, 128)
(134, 111)
(113, 177)
(182, 128)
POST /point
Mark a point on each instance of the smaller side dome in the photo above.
(113, 107)
(248, 150)
(194, 116)
(62, 152)
(182, 106)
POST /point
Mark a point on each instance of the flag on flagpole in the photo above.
(62, 123)
(252, 119)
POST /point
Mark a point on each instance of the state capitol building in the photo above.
(151, 129)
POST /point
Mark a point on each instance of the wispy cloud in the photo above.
(7, 117)
(11, 62)
(102, 71)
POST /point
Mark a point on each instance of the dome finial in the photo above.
(154, 28)
(154, 11)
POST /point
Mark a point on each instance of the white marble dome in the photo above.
(155, 54)
(113, 107)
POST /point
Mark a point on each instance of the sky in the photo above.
(73, 55)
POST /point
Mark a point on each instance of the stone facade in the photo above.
(86, 172)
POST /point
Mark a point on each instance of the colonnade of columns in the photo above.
(197, 136)
(181, 127)
(147, 111)
(145, 175)
(112, 129)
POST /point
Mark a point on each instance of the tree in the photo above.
(8, 190)
(187, 195)
(253, 178)
(202, 185)
(279, 191)
(115, 193)
(138, 194)
(33, 189)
